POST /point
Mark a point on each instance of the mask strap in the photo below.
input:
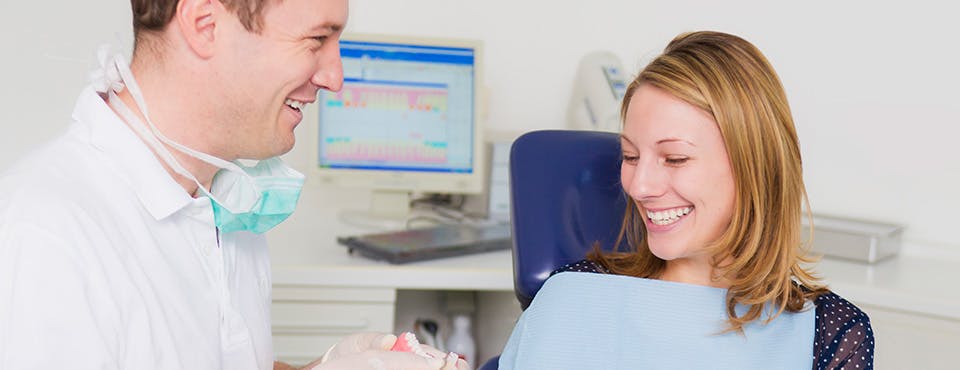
(113, 76)
(114, 101)
(127, 76)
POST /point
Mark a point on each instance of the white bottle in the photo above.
(461, 341)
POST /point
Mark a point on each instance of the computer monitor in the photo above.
(405, 120)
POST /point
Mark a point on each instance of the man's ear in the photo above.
(197, 22)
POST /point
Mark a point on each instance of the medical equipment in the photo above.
(405, 122)
(363, 350)
(407, 342)
(429, 330)
(597, 92)
(858, 240)
(461, 340)
(426, 243)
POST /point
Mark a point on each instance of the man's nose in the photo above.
(329, 74)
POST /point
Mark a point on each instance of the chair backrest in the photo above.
(565, 196)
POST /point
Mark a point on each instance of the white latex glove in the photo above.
(364, 351)
(389, 360)
(358, 343)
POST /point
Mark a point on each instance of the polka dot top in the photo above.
(843, 337)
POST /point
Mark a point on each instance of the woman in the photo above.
(712, 164)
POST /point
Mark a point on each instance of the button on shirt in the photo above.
(107, 263)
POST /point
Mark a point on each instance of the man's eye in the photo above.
(320, 39)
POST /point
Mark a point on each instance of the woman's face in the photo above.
(676, 169)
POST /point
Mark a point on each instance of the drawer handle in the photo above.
(324, 328)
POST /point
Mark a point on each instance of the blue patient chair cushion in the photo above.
(600, 321)
(565, 196)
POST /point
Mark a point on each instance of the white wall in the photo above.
(47, 51)
(873, 86)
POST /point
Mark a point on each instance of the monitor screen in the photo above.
(403, 107)
(405, 119)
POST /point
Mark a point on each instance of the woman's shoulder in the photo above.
(830, 305)
(583, 265)
(843, 334)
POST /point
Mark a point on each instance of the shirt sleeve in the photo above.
(580, 266)
(49, 316)
(844, 337)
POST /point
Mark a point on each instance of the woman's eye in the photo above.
(676, 161)
(629, 158)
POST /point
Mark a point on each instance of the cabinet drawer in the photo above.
(912, 341)
(298, 293)
(308, 318)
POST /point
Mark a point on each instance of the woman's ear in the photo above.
(197, 20)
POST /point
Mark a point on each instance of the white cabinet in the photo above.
(913, 341)
(309, 319)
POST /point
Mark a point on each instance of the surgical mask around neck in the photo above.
(244, 198)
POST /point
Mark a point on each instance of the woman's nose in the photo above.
(648, 180)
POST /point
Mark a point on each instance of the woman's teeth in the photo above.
(298, 105)
(669, 216)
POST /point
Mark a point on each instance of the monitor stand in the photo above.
(389, 211)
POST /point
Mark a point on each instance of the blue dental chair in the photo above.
(565, 195)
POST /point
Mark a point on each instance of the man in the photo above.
(121, 249)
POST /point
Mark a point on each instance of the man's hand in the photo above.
(372, 351)
(359, 343)
(383, 360)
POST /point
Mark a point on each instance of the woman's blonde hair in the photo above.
(761, 251)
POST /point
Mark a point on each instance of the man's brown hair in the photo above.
(152, 16)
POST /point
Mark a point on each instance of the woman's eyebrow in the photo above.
(675, 140)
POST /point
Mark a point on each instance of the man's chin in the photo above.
(281, 149)
(271, 152)
(286, 148)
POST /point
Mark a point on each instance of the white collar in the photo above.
(157, 190)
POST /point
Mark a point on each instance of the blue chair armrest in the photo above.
(492, 364)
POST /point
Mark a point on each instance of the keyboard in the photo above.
(430, 243)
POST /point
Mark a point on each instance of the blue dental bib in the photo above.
(601, 321)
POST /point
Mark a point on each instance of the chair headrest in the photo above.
(565, 196)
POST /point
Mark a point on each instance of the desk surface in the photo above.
(306, 253)
(330, 264)
(913, 283)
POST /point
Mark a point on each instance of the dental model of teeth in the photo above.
(669, 216)
(407, 342)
